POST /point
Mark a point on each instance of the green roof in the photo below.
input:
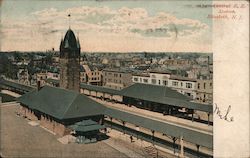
(147, 91)
(86, 126)
(191, 135)
(64, 104)
(163, 95)
(86, 123)
(100, 89)
(19, 86)
(153, 93)
(61, 103)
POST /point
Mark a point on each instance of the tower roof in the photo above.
(70, 41)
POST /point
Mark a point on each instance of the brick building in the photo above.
(90, 75)
(57, 108)
(116, 79)
(204, 91)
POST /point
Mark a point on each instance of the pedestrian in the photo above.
(131, 138)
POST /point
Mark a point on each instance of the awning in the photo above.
(86, 126)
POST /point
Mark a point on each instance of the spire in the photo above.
(69, 20)
(77, 40)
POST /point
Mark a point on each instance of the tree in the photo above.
(7, 68)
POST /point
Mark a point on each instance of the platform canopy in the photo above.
(15, 85)
(99, 89)
(86, 126)
(191, 135)
(163, 95)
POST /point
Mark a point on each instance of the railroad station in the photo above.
(158, 115)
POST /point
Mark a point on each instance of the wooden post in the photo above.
(174, 139)
(123, 123)
(182, 147)
(198, 147)
(208, 118)
(153, 134)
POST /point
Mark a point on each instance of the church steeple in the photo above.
(69, 20)
(70, 62)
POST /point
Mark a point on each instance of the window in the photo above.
(188, 85)
(198, 85)
(174, 83)
(165, 83)
(181, 84)
(211, 85)
(140, 80)
(136, 79)
(145, 80)
(120, 75)
(204, 85)
(159, 82)
(153, 81)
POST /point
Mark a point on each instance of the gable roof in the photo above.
(61, 103)
(147, 91)
(163, 95)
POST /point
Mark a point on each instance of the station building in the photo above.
(58, 108)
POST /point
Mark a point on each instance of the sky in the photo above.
(106, 26)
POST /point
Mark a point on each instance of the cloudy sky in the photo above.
(106, 26)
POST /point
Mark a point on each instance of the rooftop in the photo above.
(64, 104)
(86, 126)
(70, 41)
(174, 77)
(163, 95)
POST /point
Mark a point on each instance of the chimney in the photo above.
(38, 85)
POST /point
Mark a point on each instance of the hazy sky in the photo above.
(39, 25)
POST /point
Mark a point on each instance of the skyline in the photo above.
(109, 26)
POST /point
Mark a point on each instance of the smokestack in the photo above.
(38, 85)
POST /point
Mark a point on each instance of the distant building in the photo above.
(154, 77)
(204, 91)
(90, 75)
(41, 77)
(184, 85)
(116, 79)
(70, 62)
(23, 76)
(53, 75)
